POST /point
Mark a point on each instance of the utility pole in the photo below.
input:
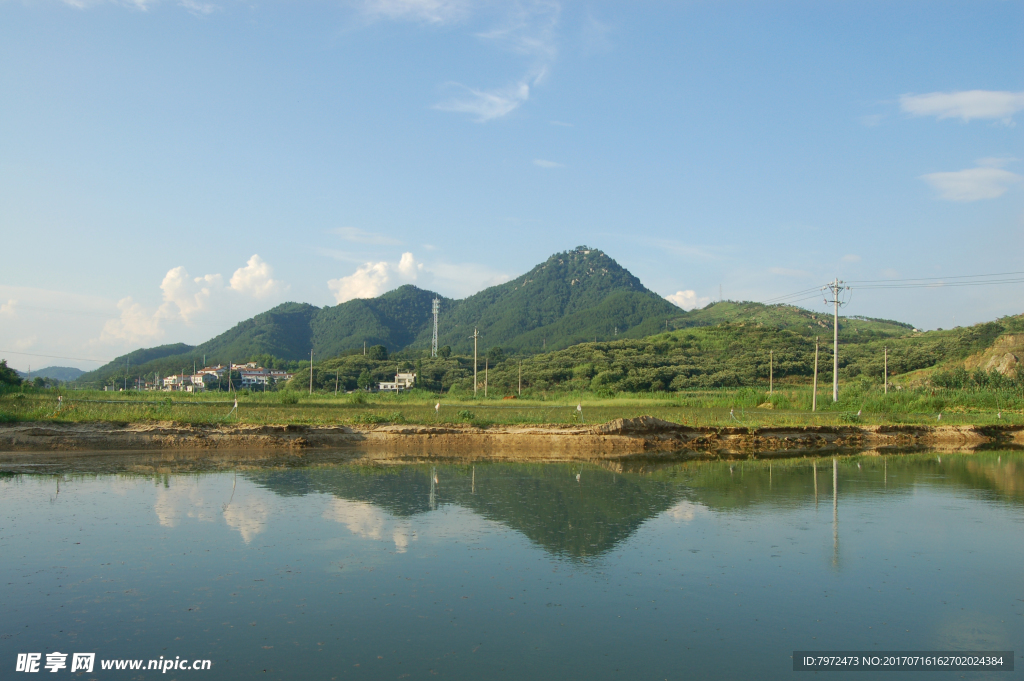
(311, 372)
(814, 389)
(433, 343)
(771, 371)
(474, 337)
(485, 375)
(835, 289)
(337, 373)
(885, 371)
(520, 378)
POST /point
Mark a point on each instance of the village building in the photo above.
(402, 381)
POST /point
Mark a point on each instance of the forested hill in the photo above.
(789, 318)
(576, 296)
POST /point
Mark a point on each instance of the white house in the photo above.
(402, 382)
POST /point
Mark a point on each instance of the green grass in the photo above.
(790, 406)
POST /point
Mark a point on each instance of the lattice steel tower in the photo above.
(433, 342)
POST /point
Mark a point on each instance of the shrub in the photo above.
(289, 397)
(466, 415)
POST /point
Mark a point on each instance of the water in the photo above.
(335, 569)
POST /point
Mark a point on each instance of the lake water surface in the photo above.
(326, 568)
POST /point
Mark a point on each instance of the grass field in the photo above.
(785, 406)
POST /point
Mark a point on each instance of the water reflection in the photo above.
(575, 510)
(365, 569)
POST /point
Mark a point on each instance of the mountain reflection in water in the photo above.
(589, 515)
(328, 565)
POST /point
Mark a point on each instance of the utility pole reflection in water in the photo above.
(814, 467)
(433, 489)
(835, 513)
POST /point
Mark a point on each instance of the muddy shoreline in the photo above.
(642, 437)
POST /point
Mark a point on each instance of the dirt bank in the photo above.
(644, 436)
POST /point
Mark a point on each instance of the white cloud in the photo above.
(408, 266)
(183, 499)
(368, 522)
(528, 29)
(487, 105)
(255, 279)
(429, 11)
(688, 300)
(198, 8)
(188, 295)
(185, 298)
(373, 278)
(685, 511)
(8, 307)
(249, 516)
(974, 184)
(358, 236)
(136, 324)
(965, 104)
(367, 282)
(546, 164)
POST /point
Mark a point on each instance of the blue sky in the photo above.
(170, 168)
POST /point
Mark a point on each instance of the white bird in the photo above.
(437, 408)
(939, 418)
(858, 465)
(999, 415)
(577, 477)
(858, 413)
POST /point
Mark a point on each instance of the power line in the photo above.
(965, 276)
(776, 299)
(101, 315)
(990, 282)
(80, 359)
(917, 282)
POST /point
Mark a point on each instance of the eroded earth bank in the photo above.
(642, 437)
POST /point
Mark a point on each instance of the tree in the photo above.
(495, 355)
(8, 376)
(378, 353)
(445, 352)
(365, 380)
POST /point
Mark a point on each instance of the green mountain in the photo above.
(574, 298)
(789, 318)
(55, 373)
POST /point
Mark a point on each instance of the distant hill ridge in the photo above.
(572, 297)
(55, 373)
